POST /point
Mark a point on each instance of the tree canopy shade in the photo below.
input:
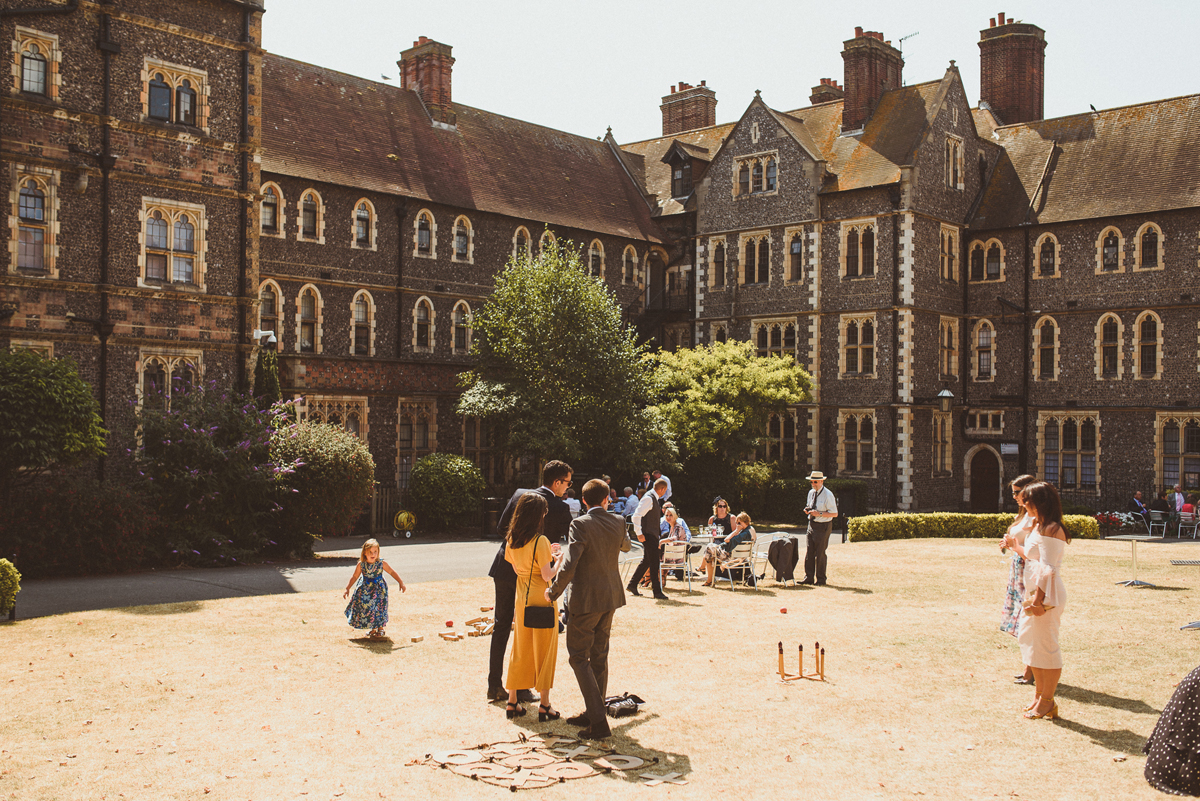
(48, 417)
(557, 373)
(715, 399)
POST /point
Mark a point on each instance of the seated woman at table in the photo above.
(673, 529)
(1161, 504)
(721, 517)
(718, 553)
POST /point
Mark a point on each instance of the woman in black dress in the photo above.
(1173, 750)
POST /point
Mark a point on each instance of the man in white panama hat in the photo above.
(821, 508)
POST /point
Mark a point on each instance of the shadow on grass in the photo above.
(379, 646)
(622, 741)
(1120, 740)
(164, 609)
(1083, 695)
(673, 600)
(1162, 588)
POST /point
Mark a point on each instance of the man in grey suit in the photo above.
(590, 582)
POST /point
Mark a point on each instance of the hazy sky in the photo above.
(585, 66)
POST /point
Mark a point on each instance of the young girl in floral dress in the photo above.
(1015, 595)
(369, 606)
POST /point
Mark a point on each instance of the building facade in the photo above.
(976, 291)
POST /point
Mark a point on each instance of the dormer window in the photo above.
(681, 181)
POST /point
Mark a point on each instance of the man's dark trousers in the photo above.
(814, 558)
(651, 560)
(506, 594)
(587, 649)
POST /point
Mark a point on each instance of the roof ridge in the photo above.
(1098, 111)
(675, 135)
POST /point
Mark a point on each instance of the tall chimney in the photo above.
(872, 67)
(1012, 67)
(425, 68)
(826, 91)
(688, 108)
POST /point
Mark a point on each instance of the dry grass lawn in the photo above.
(271, 698)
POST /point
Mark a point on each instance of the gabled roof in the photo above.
(658, 173)
(332, 127)
(1130, 160)
(873, 158)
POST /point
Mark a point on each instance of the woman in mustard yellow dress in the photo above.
(535, 651)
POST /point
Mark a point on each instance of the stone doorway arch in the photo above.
(983, 479)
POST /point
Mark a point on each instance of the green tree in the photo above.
(267, 391)
(557, 373)
(715, 401)
(48, 417)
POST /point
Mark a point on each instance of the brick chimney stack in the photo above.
(872, 67)
(688, 108)
(827, 91)
(1012, 58)
(425, 68)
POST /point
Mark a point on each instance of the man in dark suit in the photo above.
(590, 581)
(556, 477)
(646, 524)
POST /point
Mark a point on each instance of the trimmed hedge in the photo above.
(905, 525)
(10, 585)
(443, 489)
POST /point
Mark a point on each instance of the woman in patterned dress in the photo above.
(1016, 582)
(369, 606)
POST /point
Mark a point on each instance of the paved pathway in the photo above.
(415, 561)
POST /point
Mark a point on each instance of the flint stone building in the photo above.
(976, 291)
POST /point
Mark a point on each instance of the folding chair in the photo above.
(742, 558)
(762, 553)
(675, 557)
(1188, 521)
(1157, 520)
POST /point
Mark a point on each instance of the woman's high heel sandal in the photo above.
(1051, 714)
(546, 713)
(514, 711)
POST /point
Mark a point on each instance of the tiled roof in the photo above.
(327, 126)
(887, 143)
(1129, 160)
(658, 174)
(870, 159)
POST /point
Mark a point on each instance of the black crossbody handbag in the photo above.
(537, 617)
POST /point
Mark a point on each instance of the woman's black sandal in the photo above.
(545, 713)
(514, 711)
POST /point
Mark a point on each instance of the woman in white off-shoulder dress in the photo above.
(1046, 595)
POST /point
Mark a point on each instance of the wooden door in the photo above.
(985, 482)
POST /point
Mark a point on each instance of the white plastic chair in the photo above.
(742, 558)
(675, 556)
(1157, 521)
(762, 552)
(1188, 520)
(629, 559)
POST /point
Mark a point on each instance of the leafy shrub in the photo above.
(48, 417)
(785, 501)
(904, 525)
(78, 527)
(331, 480)
(1069, 508)
(444, 487)
(753, 480)
(206, 470)
(10, 585)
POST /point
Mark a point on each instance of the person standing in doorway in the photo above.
(556, 478)
(821, 508)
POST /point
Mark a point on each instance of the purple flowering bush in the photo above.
(205, 466)
(329, 484)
